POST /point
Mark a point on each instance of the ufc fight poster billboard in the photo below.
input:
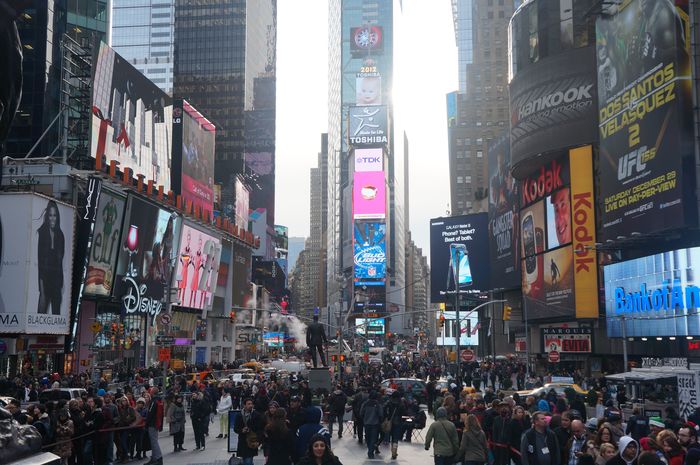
(647, 169)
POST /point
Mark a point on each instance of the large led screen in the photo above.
(242, 205)
(369, 159)
(369, 195)
(131, 119)
(368, 125)
(369, 326)
(193, 156)
(105, 249)
(647, 169)
(503, 216)
(657, 295)
(197, 268)
(36, 262)
(370, 250)
(148, 246)
(470, 234)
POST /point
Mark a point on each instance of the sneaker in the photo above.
(371, 456)
(220, 436)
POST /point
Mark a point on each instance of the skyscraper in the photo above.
(143, 33)
(366, 227)
(480, 111)
(225, 61)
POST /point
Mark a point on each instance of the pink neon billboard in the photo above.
(369, 195)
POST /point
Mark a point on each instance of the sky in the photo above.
(428, 70)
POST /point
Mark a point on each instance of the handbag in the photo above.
(386, 424)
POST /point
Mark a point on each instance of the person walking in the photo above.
(371, 413)
(394, 413)
(443, 434)
(177, 420)
(154, 424)
(222, 409)
(473, 449)
(199, 413)
(360, 398)
(539, 445)
(336, 409)
(247, 426)
(319, 453)
(279, 439)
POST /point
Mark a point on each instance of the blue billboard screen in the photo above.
(657, 295)
(370, 250)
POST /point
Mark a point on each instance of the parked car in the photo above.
(411, 386)
(559, 388)
(56, 395)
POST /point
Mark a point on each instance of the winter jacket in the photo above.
(224, 405)
(394, 410)
(618, 459)
(444, 436)
(177, 418)
(473, 447)
(309, 429)
(336, 403)
(63, 437)
(254, 424)
(371, 412)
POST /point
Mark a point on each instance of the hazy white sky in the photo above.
(428, 57)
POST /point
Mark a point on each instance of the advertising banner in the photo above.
(369, 195)
(281, 237)
(567, 340)
(503, 217)
(688, 398)
(468, 328)
(645, 118)
(370, 250)
(131, 119)
(193, 156)
(242, 268)
(197, 268)
(368, 126)
(242, 205)
(366, 40)
(584, 235)
(371, 326)
(36, 263)
(368, 89)
(556, 281)
(105, 245)
(471, 232)
(371, 299)
(658, 295)
(149, 243)
(553, 105)
(369, 159)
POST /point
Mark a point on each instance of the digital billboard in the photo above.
(658, 295)
(369, 195)
(36, 264)
(553, 105)
(242, 205)
(99, 279)
(193, 156)
(567, 339)
(131, 119)
(647, 169)
(281, 237)
(369, 159)
(470, 234)
(366, 40)
(468, 328)
(368, 125)
(369, 326)
(197, 268)
(242, 269)
(504, 221)
(557, 232)
(149, 243)
(368, 89)
(370, 299)
(370, 250)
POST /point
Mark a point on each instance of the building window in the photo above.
(479, 141)
(460, 180)
(479, 154)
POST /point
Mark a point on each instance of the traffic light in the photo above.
(232, 316)
(442, 320)
(507, 310)
(342, 357)
(334, 358)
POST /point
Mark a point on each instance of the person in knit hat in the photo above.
(656, 424)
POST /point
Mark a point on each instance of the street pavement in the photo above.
(346, 449)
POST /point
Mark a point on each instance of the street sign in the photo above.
(164, 354)
(467, 355)
(96, 327)
(165, 340)
(165, 318)
(554, 356)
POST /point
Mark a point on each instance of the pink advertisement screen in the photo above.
(369, 195)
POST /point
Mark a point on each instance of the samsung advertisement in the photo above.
(657, 295)
(459, 249)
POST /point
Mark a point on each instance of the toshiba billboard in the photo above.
(553, 106)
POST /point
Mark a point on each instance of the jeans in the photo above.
(156, 454)
(332, 419)
(124, 442)
(371, 435)
(442, 460)
(199, 425)
(87, 452)
(247, 461)
(110, 447)
(358, 425)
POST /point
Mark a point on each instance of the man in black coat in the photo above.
(249, 422)
(315, 338)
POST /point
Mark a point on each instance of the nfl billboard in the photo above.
(370, 250)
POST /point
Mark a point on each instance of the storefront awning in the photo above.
(644, 375)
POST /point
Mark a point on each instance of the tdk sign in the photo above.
(369, 159)
(667, 297)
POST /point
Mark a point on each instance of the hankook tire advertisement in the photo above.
(553, 106)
